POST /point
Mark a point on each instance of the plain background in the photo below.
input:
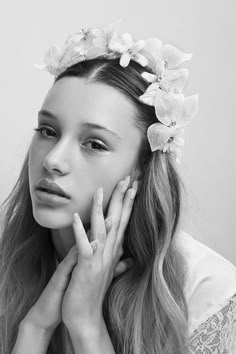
(205, 28)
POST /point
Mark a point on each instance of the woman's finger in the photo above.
(125, 214)
(115, 204)
(84, 248)
(116, 235)
(98, 228)
(114, 210)
(108, 224)
(46, 312)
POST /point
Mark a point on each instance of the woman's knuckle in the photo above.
(101, 236)
(88, 254)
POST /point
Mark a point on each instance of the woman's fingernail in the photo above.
(77, 219)
(132, 193)
(93, 245)
(135, 185)
(125, 183)
(99, 196)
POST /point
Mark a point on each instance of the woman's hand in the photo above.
(97, 261)
(45, 315)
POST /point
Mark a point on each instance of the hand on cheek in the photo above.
(98, 260)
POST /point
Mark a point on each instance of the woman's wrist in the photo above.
(90, 338)
(31, 339)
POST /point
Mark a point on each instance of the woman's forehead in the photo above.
(77, 101)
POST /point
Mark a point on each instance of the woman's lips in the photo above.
(51, 186)
(50, 198)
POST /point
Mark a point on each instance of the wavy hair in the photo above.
(145, 309)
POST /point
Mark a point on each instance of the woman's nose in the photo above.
(57, 159)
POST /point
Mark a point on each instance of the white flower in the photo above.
(165, 138)
(168, 56)
(82, 43)
(56, 59)
(170, 81)
(164, 62)
(79, 46)
(103, 38)
(128, 49)
(149, 95)
(174, 112)
(175, 109)
(170, 107)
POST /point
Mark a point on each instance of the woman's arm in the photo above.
(31, 339)
(91, 339)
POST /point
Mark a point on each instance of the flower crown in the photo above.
(166, 79)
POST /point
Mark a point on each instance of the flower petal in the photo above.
(74, 37)
(160, 67)
(53, 55)
(116, 44)
(128, 40)
(94, 52)
(100, 42)
(174, 56)
(154, 47)
(149, 96)
(149, 77)
(139, 45)
(176, 79)
(179, 137)
(187, 110)
(165, 106)
(140, 59)
(125, 59)
(158, 135)
(152, 51)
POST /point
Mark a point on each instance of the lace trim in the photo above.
(218, 333)
(214, 309)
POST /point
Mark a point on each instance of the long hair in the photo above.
(145, 309)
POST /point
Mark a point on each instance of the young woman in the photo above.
(93, 258)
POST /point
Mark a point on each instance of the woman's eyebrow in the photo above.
(51, 115)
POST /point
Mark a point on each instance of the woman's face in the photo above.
(78, 157)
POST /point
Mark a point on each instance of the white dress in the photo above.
(211, 296)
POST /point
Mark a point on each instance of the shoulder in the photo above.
(211, 278)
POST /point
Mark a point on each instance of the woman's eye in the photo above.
(44, 128)
(97, 144)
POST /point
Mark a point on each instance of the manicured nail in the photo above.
(135, 185)
(99, 196)
(125, 183)
(77, 218)
(132, 193)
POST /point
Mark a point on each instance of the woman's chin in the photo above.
(52, 220)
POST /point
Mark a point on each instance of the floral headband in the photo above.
(167, 79)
